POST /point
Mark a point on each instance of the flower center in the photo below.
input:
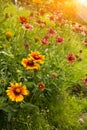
(30, 63)
(70, 58)
(86, 80)
(17, 91)
(23, 19)
(51, 31)
(36, 57)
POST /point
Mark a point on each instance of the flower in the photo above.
(84, 80)
(42, 11)
(37, 1)
(27, 26)
(29, 63)
(41, 86)
(37, 57)
(85, 42)
(26, 45)
(60, 40)
(16, 92)
(40, 23)
(51, 32)
(54, 75)
(7, 15)
(8, 35)
(85, 31)
(27, 2)
(52, 18)
(80, 51)
(31, 15)
(37, 38)
(71, 58)
(23, 19)
(45, 40)
(78, 28)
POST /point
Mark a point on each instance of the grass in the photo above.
(61, 104)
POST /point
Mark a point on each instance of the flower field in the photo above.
(43, 68)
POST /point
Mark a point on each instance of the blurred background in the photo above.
(72, 9)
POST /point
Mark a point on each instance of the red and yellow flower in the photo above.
(23, 19)
(37, 57)
(70, 58)
(29, 63)
(16, 92)
(41, 86)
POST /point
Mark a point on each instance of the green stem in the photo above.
(9, 122)
(9, 125)
(35, 75)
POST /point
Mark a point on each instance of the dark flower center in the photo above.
(30, 63)
(85, 79)
(36, 57)
(17, 91)
(51, 31)
(70, 58)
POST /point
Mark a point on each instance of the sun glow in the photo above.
(81, 6)
(82, 1)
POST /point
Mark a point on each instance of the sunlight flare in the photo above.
(82, 2)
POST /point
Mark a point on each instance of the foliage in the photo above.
(57, 98)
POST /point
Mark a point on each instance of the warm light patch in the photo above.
(82, 1)
(81, 6)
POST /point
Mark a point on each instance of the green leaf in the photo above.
(28, 106)
(7, 108)
(7, 54)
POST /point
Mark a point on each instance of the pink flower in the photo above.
(78, 28)
(85, 42)
(60, 40)
(31, 15)
(51, 32)
(40, 23)
(70, 58)
(73, 23)
(84, 80)
(85, 31)
(28, 26)
(61, 20)
(44, 40)
(52, 18)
